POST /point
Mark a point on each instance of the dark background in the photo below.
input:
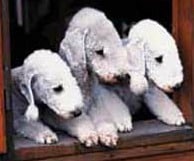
(44, 28)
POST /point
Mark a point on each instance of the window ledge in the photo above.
(145, 135)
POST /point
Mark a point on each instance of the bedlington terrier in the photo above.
(43, 78)
(95, 53)
(153, 51)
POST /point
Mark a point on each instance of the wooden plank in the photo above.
(183, 31)
(136, 152)
(192, 51)
(145, 133)
(2, 112)
(184, 156)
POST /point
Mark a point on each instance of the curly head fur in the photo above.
(162, 62)
(47, 79)
(93, 48)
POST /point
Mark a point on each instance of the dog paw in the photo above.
(175, 119)
(108, 135)
(46, 137)
(124, 125)
(89, 138)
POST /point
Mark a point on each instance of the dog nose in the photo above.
(76, 113)
(177, 86)
(123, 78)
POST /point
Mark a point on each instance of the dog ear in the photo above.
(136, 56)
(25, 86)
(136, 59)
(72, 49)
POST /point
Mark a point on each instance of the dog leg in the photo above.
(80, 127)
(35, 130)
(102, 119)
(162, 107)
(83, 129)
(105, 127)
(119, 112)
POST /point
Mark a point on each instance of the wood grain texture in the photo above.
(183, 31)
(184, 156)
(131, 153)
(146, 133)
(2, 111)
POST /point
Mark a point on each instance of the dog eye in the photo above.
(58, 88)
(159, 59)
(100, 52)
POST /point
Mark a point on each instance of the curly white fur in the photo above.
(157, 43)
(94, 51)
(159, 58)
(43, 78)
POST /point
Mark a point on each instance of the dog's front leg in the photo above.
(83, 128)
(35, 130)
(162, 107)
(119, 112)
(80, 127)
(102, 119)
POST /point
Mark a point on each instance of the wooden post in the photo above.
(183, 31)
(2, 110)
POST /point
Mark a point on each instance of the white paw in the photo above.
(108, 135)
(175, 119)
(124, 125)
(46, 137)
(88, 138)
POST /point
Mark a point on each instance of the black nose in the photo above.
(177, 86)
(125, 78)
(76, 113)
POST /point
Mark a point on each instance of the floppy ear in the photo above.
(136, 59)
(72, 49)
(136, 56)
(25, 86)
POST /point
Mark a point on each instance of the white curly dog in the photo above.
(43, 78)
(95, 53)
(153, 51)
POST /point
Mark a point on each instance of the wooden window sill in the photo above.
(147, 138)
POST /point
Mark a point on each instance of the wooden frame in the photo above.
(2, 108)
(162, 145)
(183, 30)
(148, 138)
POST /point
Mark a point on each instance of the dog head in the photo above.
(48, 80)
(92, 44)
(162, 62)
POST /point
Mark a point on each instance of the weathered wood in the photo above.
(145, 133)
(183, 30)
(2, 112)
(136, 152)
(184, 156)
